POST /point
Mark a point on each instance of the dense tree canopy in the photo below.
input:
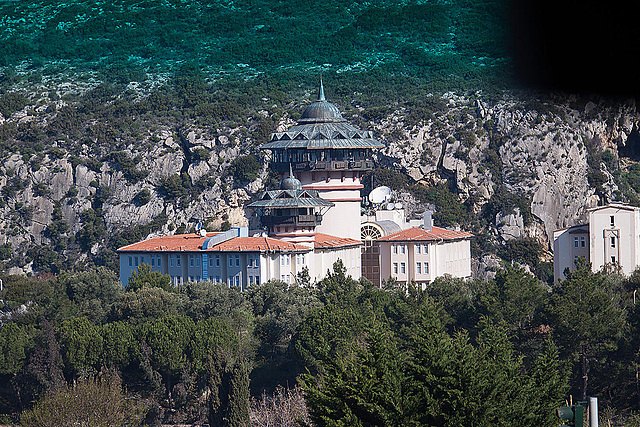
(499, 352)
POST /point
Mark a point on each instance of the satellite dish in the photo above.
(390, 206)
(198, 226)
(398, 205)
(379, 194)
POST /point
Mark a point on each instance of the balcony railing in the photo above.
(333, 165)
(292, 220)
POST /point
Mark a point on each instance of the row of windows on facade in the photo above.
(577, 257)
(194, 261)
(612, 242)
(402, 248)
(231, 281)
(403, 268)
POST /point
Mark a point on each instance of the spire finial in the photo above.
(321, 91)
(291, 171)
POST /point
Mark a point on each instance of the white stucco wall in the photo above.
(450, 257)
(625, 232)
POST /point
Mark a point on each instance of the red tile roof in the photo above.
(255, 244)
(193, 243)
(436, 233)
(324, 241)
(176, 243)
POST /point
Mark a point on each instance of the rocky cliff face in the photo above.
(537, 148)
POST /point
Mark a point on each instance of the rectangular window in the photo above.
(191, 278)
(178, 257)
(395, 249)
(282, 260)
(159, 261)
(417, 249)
(153, 262)
(171, 259)
(135, 261)
(250, 260)
(197, 260)
(250, 280)
(218, 279)
(403, 268)
(426, 268)
(130, 262)
(257, 280)
(575, 242)
(237, 260)
(217, 260)
(288, 277)
(419, 268)
(141, 260)
(613, 220)
(395, 268)
(288, 259)
(302, 257)
(257, 260)
(197, 278)
(613, 260)
(402, 249)
(613, 241)
(282, 277)
(582, 242)
(230, 260)
(210, 261)
(426, 249)
(190, 260)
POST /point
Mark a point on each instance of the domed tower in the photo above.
(329, 156)
(291, 213)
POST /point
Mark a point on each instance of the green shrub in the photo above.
(526, 250)
(143, 197)
(5, 251)
(174, 186)
(11, 102)
(245, 168)
(89, 401)
(92, 231)
(201, 154)
(127, 166)
(41, 190)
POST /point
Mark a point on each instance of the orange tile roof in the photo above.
(256, 244)
(176, 243)
(324, 241)
(193, 243)
(436, 233)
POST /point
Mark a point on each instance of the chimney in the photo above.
(428, 221)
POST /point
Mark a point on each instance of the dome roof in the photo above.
(322, 126)
(290, 182)
(321, 111)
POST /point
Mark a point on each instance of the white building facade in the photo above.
(420, 255)
(611, 238)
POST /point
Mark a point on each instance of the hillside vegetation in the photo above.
(122, 119)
